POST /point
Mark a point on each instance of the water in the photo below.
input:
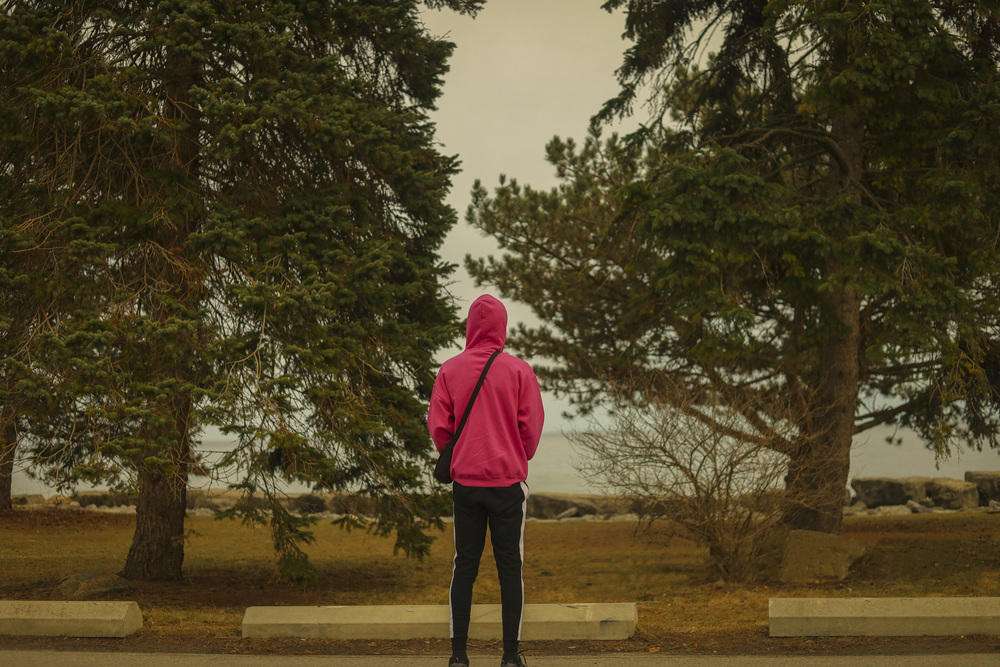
(553, 470)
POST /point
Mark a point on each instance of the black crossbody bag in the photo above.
(442, 470)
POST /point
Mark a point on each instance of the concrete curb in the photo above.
(883, 617)
(69, 619)
(540, 621)
(122, 659)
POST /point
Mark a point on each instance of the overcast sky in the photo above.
(522, 72)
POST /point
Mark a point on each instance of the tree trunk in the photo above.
(157, 551)
(817, 478)
(817, 475)
(8, 448)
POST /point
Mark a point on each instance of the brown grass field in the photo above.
(229, 567)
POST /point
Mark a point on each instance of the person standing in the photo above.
(489, 468)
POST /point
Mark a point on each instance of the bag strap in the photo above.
(475, 392)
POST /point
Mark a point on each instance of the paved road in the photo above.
(31, 658)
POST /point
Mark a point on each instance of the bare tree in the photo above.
(686, 464)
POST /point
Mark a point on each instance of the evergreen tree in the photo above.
(39, 279)
(257, 203)
(813, 220)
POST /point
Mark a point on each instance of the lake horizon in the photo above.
(553, 469)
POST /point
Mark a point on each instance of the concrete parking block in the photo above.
(883, 617)
(540, 621)
(69, 619)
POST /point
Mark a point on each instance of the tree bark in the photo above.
(157, 551)
(818, 471)
(8, 448)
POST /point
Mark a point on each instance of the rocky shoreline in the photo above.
(873, 496)
(201, 502)
(979, 491)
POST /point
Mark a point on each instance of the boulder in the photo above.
(953, 494)
(212, 499)
(855, 509)
(891, 510)
(307, 503)
(918, 508)
(761, 503)
(555, 505)
(987, 483)
(61, 502)
(878, 491)
(799, 556)
(103, 499)
(90, 586)
(27, 499)
(346, 503)
(570, 513)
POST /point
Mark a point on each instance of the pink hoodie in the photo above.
(501, 434)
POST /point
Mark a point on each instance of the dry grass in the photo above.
(230, 567)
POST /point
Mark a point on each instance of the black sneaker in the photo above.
(458, 662)
(514, 661)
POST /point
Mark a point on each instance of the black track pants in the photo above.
(503, 509)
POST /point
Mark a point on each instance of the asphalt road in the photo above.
(32, 658)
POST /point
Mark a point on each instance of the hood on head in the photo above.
(487, 324)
